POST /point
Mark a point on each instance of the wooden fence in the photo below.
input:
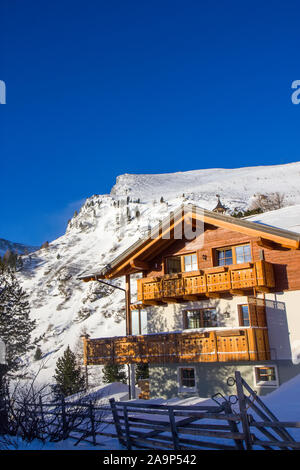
(245, 425)
(241, 422)
(175, 427)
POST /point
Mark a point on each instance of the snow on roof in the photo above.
(287, 218)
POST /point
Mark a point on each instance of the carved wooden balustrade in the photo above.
(232, 279)
(242, 344)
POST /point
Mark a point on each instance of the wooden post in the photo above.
(128, 326)
(127, 430)
(127, 305)
(214, 339)
(85, 358)
(174, 429)
(117, 421)
(243, 410)
(233, 426)
(85, 348)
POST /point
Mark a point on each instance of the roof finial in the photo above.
(219, 207)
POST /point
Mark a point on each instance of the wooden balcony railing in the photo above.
(221, 279)
(243, 344)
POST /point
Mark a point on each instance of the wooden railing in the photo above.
(221, 279)
(243, 344)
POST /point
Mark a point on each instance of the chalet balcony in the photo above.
(241, 344)
(211, 282)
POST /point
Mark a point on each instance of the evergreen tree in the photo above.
(38, 354)
(15, 323)
(114, 373)
(68, 376)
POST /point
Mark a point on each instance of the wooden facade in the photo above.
(243, 344)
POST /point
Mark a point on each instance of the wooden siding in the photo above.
(285, 262)
(243, 344)
(220, 279)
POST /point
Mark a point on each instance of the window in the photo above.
(187, 379)
(265, 376)
(242, 254)
(173, 265)
(190, 263)
(139, 322)
(233, 255)
(178, 264)
(200, 318)
(224, 256)
(244, 318)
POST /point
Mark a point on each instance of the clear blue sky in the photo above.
(100, 88)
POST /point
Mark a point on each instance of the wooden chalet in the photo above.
(225, 299)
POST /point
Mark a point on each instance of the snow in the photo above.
(287, 218)
(102, 394)
(236, 184)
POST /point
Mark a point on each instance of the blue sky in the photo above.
(100, 88)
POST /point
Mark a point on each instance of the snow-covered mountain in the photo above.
(65, 307)
(18, 248)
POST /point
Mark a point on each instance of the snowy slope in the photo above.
(65, 307)
(235, 185)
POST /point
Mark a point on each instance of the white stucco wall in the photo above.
(283, 318)
(282, 311)
(170, 317)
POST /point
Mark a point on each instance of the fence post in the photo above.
(233, 426)
(127, 430)
(243, 410)
(92, 418)
(174, 429)
(116, 420)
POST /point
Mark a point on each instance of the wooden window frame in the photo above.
(273, 383)
(240, 315)
(182, 388)
(232, 247)
(201, 310)
(181, 256)
(139, 319)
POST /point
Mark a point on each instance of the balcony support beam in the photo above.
(154, 302)
(127, 305)
(192, 298)
(171, 300)
(237, 292)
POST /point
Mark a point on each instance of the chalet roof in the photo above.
(131, 260)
